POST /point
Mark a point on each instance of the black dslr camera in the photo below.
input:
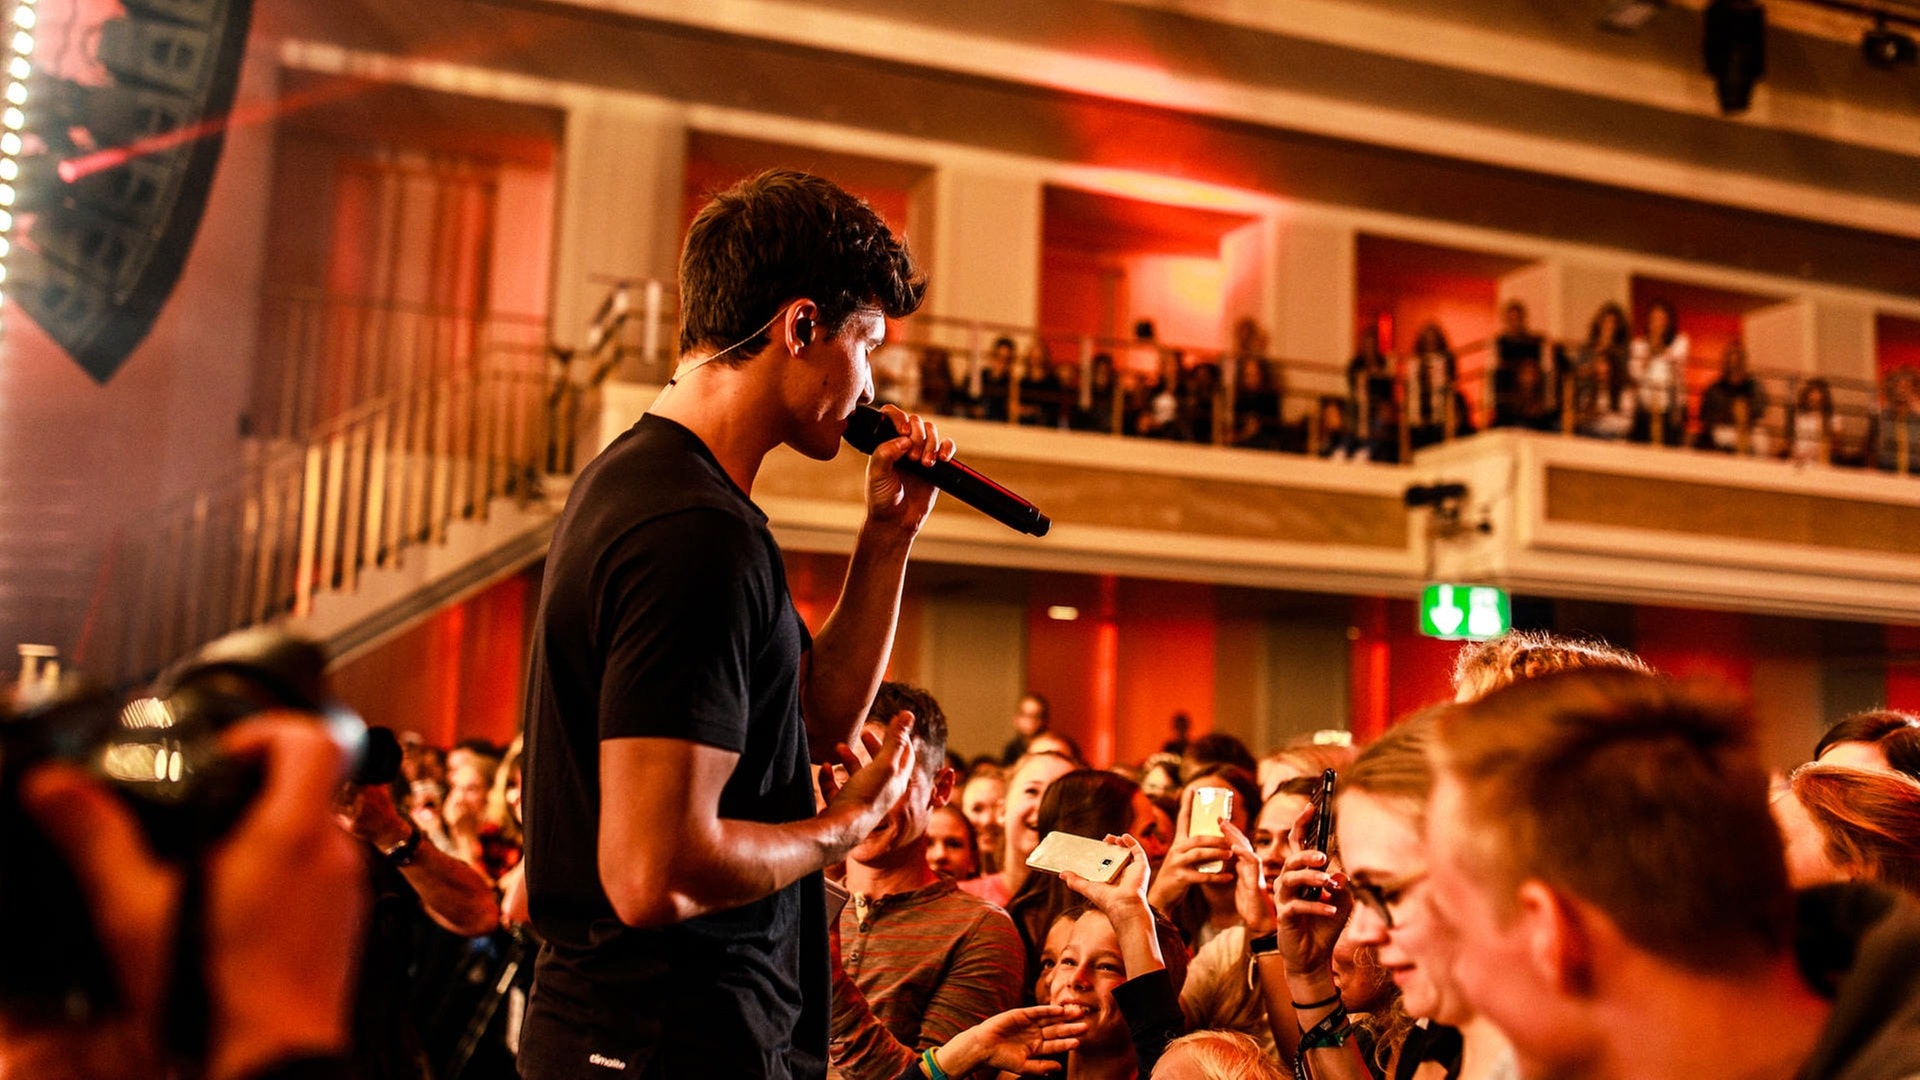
(161, 753)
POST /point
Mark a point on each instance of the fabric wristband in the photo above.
(1266, 944)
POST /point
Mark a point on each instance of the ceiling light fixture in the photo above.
(1628, 16)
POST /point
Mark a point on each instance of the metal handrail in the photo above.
(311, 513)
(632, 342)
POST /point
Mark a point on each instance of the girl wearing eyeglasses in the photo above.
(1377, 896)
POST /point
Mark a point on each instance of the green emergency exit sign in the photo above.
(1465, 612)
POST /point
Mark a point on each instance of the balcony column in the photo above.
(1312, 287)
(977, 234)
(1780, 336)
(1845, 344)
(622, 189)
(1562, 294)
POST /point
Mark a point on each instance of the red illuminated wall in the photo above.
(1071, 291)
(1139, 652)
(1464, 307)
(459, 674)
(1403, 300)
(1166, 663)
(1686, 643)
(1076, 663)
(1903, 676)
(1899, 342)
(1183, 295)
(1394, 671)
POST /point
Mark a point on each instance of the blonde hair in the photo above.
(498, 814)
(1225, 1055)
(1302, 758)
(1398, 766)
(1485, 666)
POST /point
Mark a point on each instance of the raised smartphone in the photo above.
(1322, 825)
(1211, 806)
(1061, 852)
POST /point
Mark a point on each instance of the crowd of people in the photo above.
(1617, 383)
(1218, 939)
(1577, 868)
(737, 852)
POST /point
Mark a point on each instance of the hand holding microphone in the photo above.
(869, 427)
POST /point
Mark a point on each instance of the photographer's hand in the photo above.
(285, 894)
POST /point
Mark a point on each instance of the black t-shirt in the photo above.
(665, 613)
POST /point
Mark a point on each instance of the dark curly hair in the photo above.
(778, 237)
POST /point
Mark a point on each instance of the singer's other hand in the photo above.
(895, 497)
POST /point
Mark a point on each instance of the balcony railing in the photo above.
(1124, 386)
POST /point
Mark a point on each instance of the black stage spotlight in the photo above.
(1734, 45)
(1887, 49)
(113, 223)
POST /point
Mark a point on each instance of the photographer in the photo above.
(282, 899)
(452, 893)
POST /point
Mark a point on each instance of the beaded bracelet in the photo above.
(1333, 1031)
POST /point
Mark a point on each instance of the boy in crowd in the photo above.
(1604, 863)
(920, 961)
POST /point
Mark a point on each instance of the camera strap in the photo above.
(186, 1026)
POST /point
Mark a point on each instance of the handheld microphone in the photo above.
(868, 427)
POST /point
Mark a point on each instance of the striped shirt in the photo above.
(918, 968)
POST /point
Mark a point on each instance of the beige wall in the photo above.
(1781, 336)
(973, 658)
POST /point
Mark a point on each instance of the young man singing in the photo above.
(677, 700)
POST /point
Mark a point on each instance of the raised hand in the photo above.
(1124, 902)
(876, 782)
(1126, 894)
(1251, 898)
(1308, 928)
(285, 893)
(1181, 869)
(368, 813)
(1017, 1040)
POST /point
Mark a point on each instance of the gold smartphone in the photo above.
(1211, 806)
(1094, 860)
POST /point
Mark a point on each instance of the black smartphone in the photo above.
(1322, 825)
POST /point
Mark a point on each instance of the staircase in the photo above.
(444, 476)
